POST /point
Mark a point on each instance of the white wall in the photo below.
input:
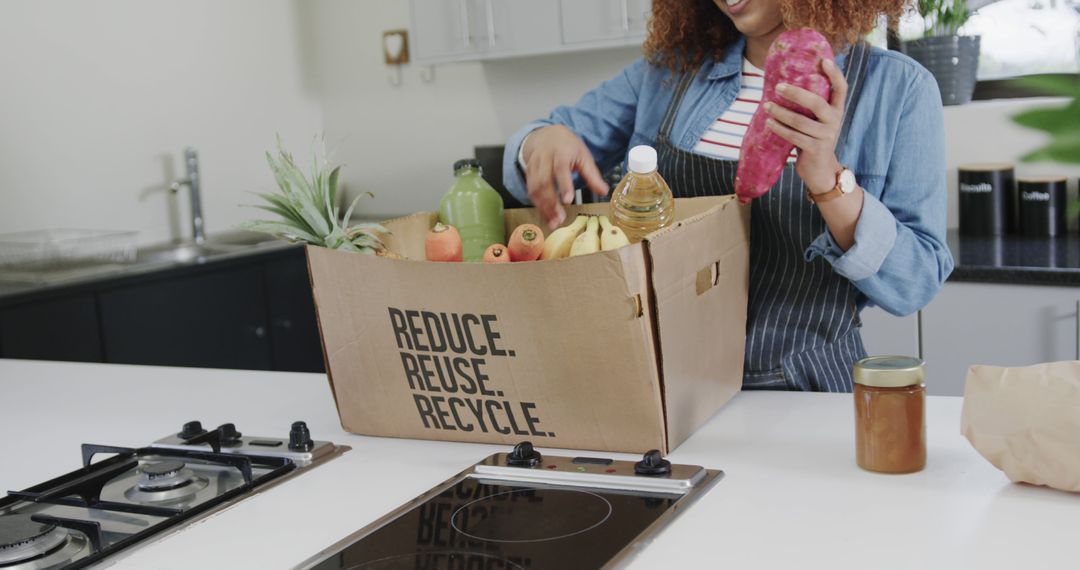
(98, 100)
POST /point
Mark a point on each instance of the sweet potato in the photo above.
(795, 58)
(496, 253)
(443, 243)
(526, 243)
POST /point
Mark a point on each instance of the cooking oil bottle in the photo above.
(642, 202)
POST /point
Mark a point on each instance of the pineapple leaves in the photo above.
(348, 213)
(332, 183)
(309, 209)
(280, 229)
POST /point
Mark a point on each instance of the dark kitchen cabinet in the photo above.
(214, 318)
(294, 332)
(251, 312)
(62, 328)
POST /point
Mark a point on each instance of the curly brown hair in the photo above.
(684, 33)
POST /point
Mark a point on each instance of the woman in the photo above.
(857, 218)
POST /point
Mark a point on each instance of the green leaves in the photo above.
(943, 17)
(1064, 85)
(1062, 123)
(308, 208)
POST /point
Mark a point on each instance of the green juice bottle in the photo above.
(474, 208)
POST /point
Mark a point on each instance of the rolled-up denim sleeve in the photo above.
(900, 258)
(603, 118)
(875, 236)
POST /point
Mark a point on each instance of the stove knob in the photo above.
(229, 435)
(191, 429)
(653, 463)
(523, 455)
(300, 437)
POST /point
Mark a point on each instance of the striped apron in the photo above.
(802, 330)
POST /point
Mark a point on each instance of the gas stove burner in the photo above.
(113, 503)
(438, 560)
(529, 515)
(27, 544)
(162, 476)
(165, 481)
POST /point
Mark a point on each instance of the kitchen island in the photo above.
(792, 496)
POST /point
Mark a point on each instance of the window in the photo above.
(1019, 37)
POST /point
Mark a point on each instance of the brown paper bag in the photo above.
(1026, 421)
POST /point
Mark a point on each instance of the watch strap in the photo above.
(836, 192)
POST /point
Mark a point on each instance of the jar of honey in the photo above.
(890, 419)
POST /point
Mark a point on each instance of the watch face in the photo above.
(847, 181)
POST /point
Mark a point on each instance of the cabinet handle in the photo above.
(625, 16)
(490, 9)
(466, 29)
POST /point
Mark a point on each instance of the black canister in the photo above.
(987, 203)
(1042, 206)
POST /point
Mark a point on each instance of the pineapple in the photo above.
(309, 212)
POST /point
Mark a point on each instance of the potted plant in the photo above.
(952, 58)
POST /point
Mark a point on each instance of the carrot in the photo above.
(443, 243)
(496, 253)
(526, 243)
(795, 57)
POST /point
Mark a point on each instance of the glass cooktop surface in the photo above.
(494, 525)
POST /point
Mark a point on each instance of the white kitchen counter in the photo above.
(792, 497)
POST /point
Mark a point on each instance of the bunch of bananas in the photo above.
(586, 234)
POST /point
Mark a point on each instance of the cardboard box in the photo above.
(626, 350)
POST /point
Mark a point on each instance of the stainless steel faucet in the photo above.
(191, 158)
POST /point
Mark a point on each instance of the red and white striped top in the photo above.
(724, 137)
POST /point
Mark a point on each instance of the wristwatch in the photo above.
(845, 184)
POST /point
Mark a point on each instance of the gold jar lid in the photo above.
(889, 371)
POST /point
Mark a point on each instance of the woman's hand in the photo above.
(815, 138)
(552, 154)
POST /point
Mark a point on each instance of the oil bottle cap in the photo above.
(642, 159)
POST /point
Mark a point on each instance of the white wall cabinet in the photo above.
(594, 21)
(522, 27)
(1003, 325)
(468, 30)
(446, 28)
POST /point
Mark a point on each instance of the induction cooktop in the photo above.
(524, 510)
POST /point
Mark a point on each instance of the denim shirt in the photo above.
(896, 148)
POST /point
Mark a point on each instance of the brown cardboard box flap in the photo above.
(700, 275)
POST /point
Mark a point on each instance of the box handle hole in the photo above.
(708, 278)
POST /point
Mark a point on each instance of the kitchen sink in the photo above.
(148, 258)
(225, 243)
(184, 252)
(240, 237)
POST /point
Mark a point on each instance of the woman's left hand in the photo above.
(815, 137)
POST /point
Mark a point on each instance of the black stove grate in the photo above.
(82, 488)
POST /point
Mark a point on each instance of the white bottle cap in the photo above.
(642, 159)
